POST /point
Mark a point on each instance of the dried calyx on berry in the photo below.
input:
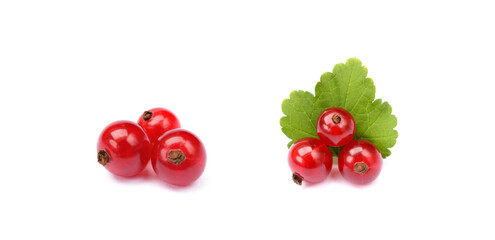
(103, 157)
(176, 157)
(147, 115)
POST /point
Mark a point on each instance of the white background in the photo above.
(69, 68)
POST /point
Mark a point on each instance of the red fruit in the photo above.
(310, 160)
(336, 127)
(158, 121)
(360, 162)
(179, 157)
(123, 148)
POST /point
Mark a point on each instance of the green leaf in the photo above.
(301, 116)
(377, 126)
(346, 87)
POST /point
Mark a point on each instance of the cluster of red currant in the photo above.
(177, 155)
(311, 160)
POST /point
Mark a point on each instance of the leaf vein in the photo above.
(369, 127)
(305, 113)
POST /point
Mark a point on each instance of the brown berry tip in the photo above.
(360, 167)
(103, 157)
(176, 157)
(336, 119)
(297, 179)
(147, 115)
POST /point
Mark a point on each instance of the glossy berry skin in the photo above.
(179, 157)
(310, 160)
(123, 148)
(158, 121)
(360, 162)
(335, 127)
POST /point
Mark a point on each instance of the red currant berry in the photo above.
(179, 157)
(336, 127)
(158, 121)
(360, 162)
(123, 148)
(310, 160)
